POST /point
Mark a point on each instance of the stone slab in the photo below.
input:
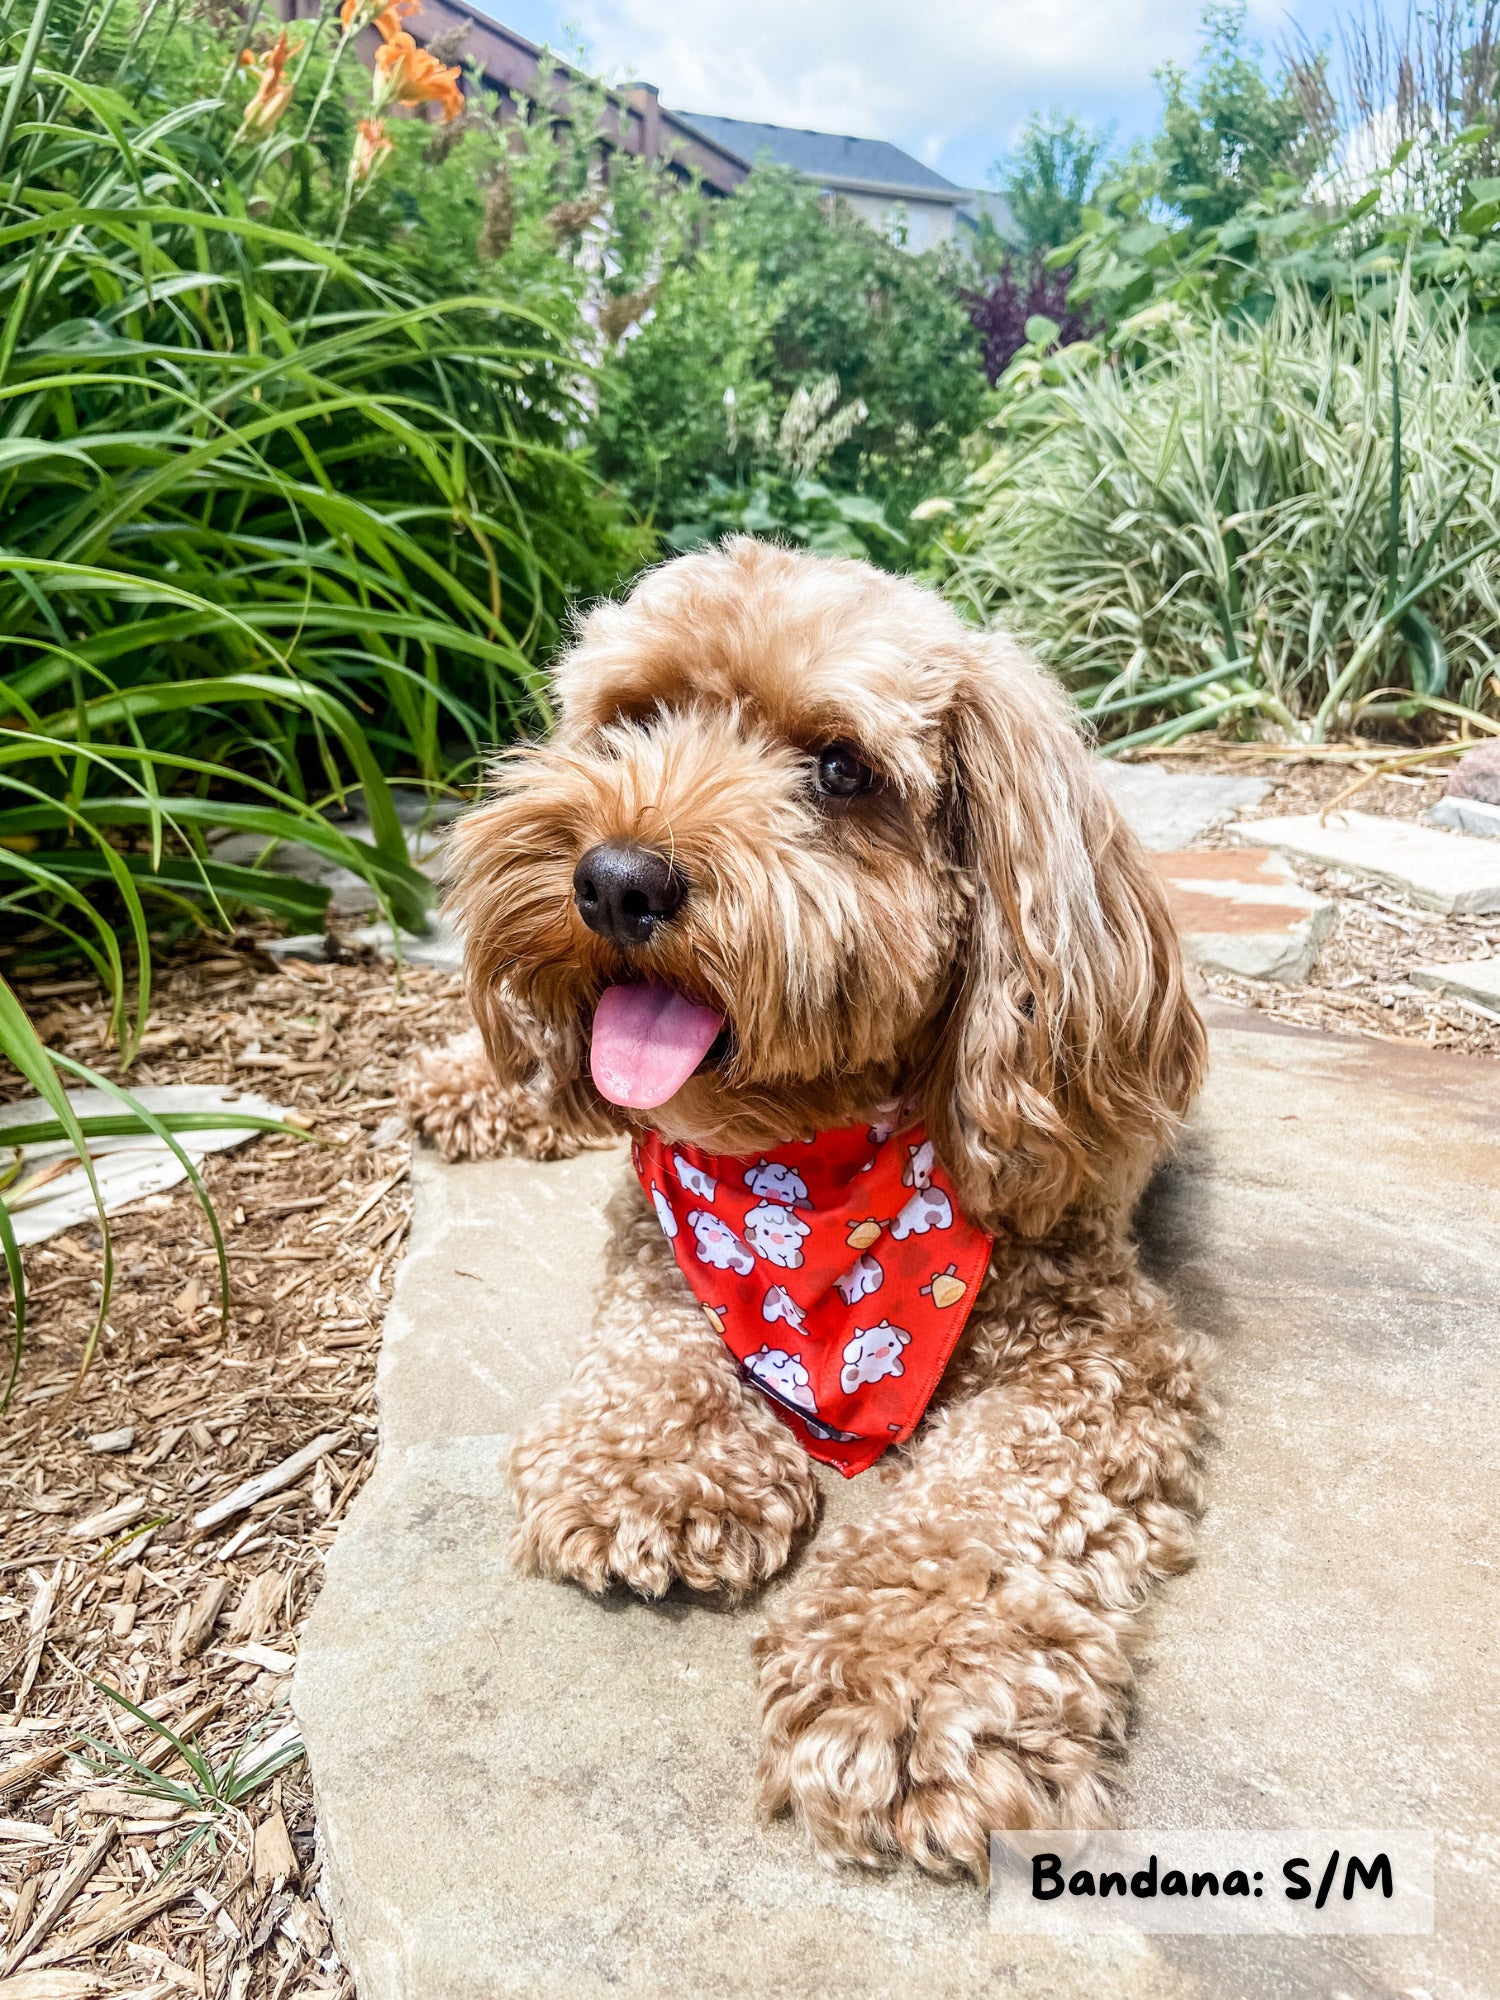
(309, 946)
(1472, 979)
(525, 1791)
(1462, 815)
(1241, 910)
(1443, 871)
(1172, 809)
(442, 948)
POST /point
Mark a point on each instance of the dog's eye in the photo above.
(842, 773)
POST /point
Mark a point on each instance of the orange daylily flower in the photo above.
(384, 15)
(273, 92)
(405, 74)
(370, 148)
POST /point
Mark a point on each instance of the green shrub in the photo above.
(1293, 524)
(785, 500)
(1258, 179)
(782, 293)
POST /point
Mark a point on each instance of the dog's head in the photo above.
(835, 847)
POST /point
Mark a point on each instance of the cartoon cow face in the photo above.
(779, 1304)
(664, 1213)
(874, 1353)
(694, 1179)
(773, 1232)
(863, 1276)
(917, 1173)
(716, 1243)
(774, 1182)
(783, 1375)
(928, 1208)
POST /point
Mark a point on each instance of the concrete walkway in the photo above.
(524, 1791)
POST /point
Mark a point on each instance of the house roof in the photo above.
(832, 157)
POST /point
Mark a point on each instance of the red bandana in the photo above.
(839, 1271)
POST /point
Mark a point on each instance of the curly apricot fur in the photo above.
(983, 936)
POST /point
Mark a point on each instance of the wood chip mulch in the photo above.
(104, 1576)
(1360, 984)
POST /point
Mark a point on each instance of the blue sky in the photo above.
(951, 80)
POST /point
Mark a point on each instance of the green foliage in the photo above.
(1230, 133)
(212, 1792)
(1259, 181)
(686, 399)
(780, 293)
(1050, 177)
(784, 500)
(801, 511)
(1292, 524)
(280, 510)
(1126, 258)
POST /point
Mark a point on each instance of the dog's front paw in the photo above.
(915, 1700)
(452, 1097)
(614, 1493)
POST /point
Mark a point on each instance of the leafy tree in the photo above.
(1050, 177)
(1230, 133)
(687, 397)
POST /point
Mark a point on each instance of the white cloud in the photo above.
(951, 80)
(919, 74)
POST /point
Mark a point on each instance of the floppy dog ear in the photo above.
(1071, 1048)
(538, 1056)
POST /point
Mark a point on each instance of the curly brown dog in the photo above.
(857, 853)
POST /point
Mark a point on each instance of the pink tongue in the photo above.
(648, 1040)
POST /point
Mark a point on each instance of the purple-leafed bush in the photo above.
(999, 314)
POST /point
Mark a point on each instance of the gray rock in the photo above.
(311, 946)
(442, 948)
(525, 1791)
(1241, 910)
(1467, 816)
(1476, 979)
(1476, 775)
(1172, 809)
(1286, 958)
(1450, 872)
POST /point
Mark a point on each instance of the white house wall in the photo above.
(927, 223)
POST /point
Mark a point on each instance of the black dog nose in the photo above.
(624, 892)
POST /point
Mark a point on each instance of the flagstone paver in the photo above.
(1241, 910)
(522, 1790)
(442, 948)
(1472, 979)
(1452, 872)
(1172, 809)
(1467, 816)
